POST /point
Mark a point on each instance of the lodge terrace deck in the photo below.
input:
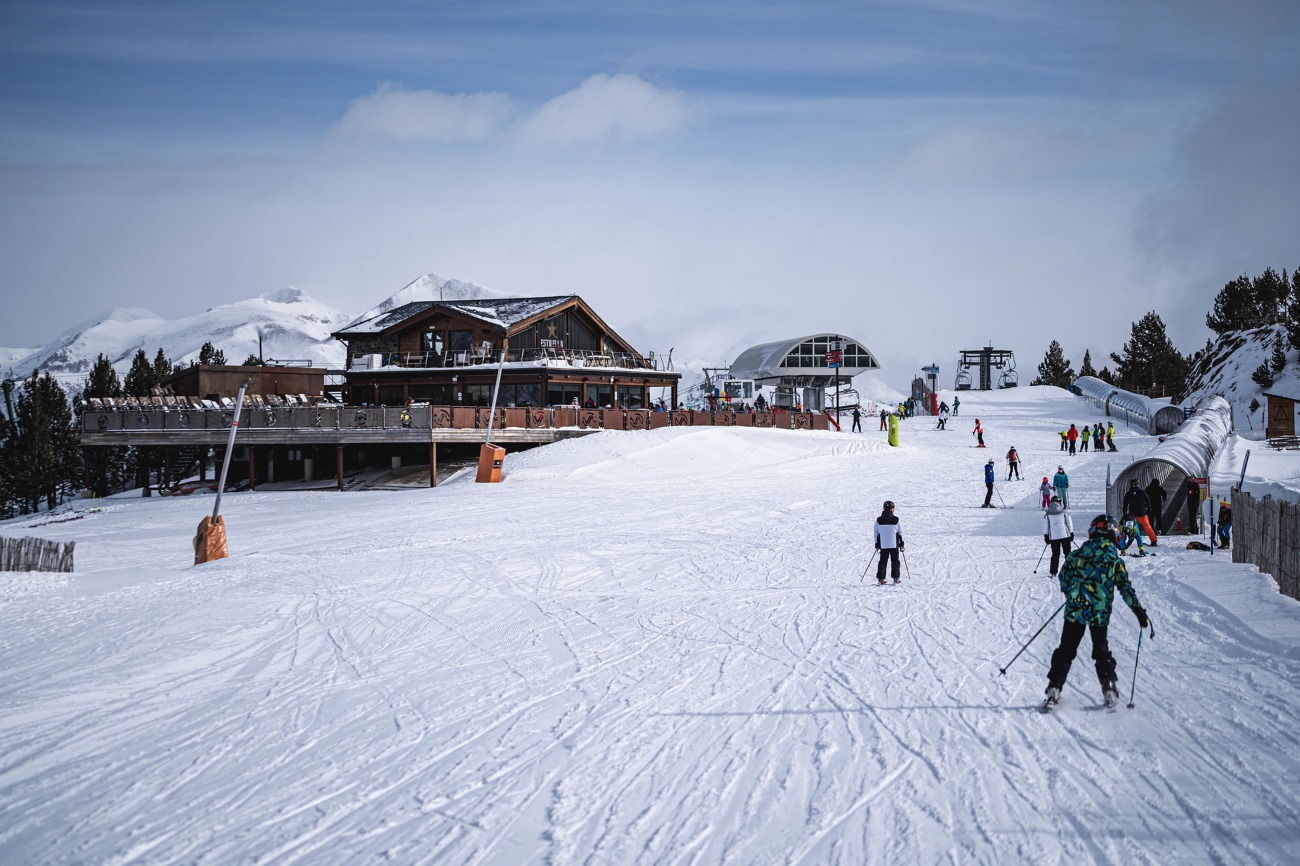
(171, 422)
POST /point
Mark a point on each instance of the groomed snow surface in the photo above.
(644, 647)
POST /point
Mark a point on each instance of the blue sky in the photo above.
(923, 176)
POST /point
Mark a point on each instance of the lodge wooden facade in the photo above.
(214, 381)
(558, 352)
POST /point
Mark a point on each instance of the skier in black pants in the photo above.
(1156, 493)
(1089, 580)
(1058, 531)
(889, 541)
(1193, 506)
(857, 420)
(989, 477)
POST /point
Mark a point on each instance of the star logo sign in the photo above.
(550, 330)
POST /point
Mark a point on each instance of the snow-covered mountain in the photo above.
(430, 287)
(291, 325)
(1227, 367)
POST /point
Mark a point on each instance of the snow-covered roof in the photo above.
(1153, 416)
(790, 358)
(502, 312)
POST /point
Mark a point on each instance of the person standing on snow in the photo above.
(1073, 435)
(1224, 527)
(1158, 497)
(1061, 482)
(889, 541)
(1013, 464)
(1089, 580)
(884, 416)
(1098, 437)
(857, 420)
(943, 418)
(1110, 435)
(979, 433)
(1138, 505)
(1193, 491)
(1065, 440)
(956, 401)
(1083, 438)
(1046, 489)
(1058, 531)
(990, 475)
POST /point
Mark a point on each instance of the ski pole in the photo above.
(1046, 545)
(1132, 690)
(868, 568)
(1003, 670)
(1000, 499)
(903, 554)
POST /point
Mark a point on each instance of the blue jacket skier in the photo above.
(1089, 580)
(990, 475)
(1061, 482)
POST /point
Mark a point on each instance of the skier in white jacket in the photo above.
(1058, 531)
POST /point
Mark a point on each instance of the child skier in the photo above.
(1046, 489)
(1128, 534)
(979, 433)
(1083, 438)
(1110, 435)
(1089, 580)
(889, 541)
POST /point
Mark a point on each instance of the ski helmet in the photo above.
(990, 461)
(1103, 526)
(1132, 482)
(889, 505)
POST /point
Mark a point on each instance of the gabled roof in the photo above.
(504, 313)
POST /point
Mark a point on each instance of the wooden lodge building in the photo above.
(557, 352)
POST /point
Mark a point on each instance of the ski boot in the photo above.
(1053, 698)
(1110, 695)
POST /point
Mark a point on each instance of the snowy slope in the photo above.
(1226, 370)
(648, 647)
(292, 326)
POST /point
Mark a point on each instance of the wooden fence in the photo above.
(1266, 533)
(35, 554)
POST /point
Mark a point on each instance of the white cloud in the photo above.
(607, 108)
(395, 113)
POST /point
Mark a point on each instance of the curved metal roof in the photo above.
(1187, 453)
(801, 356)
(1154, 417)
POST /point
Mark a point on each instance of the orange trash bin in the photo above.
(490, 458)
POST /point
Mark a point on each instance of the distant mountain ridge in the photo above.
(288, 322)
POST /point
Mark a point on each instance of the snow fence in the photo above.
(1189, 453)
(1152, 416)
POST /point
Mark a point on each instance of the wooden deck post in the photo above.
(338, 461)
(433, 464)
(252, 469)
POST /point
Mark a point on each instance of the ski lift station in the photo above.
(798, 371)
(985, 361)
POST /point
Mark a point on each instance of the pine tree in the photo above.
(1054, 369)
(139, 379)
(162, 368)
(1150, 364)
(1086, 368)
(1293, 310)
(1250, 302)
(104, 466)
(210, 354)
(1105, 375)
(1263, 376)
(252, 361)
(42, 450)
(1278, 359)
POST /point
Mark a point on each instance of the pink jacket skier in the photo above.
(1046, 489)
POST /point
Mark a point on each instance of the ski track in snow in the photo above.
(650, 647)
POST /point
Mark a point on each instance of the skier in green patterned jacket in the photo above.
(1089, 579)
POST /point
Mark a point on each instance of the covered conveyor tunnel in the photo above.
(1188, 453)
(1151, 416)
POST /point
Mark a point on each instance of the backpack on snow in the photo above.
(1197, 545)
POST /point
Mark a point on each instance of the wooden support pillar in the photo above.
(167, 467)
(433, 464)
(85, 466)
(338, 459)
(252, 468)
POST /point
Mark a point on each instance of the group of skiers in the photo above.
(1074, 439)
